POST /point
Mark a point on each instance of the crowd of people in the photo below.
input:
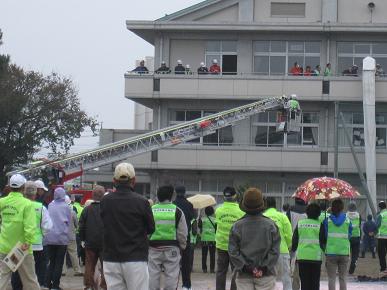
(130, 242)
(295, 70)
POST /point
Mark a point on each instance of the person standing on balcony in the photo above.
(215, 68)
(355, 219)
(308, 71)
(317, 71)
(188, 69)
(202, 70)
(163, 69)
(285, 230)
(179, 69)
(296, 70)
(187, 208)
(328, 71)
(225, 216)
(141, 69)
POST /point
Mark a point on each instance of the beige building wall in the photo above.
(357, 11)
(188, 51)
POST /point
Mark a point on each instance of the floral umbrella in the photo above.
(325, 188)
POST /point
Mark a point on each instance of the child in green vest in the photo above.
(207, 228)
(308, 244)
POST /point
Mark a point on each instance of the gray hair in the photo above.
(30, 188)
(98, 192)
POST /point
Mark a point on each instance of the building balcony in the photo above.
(252, 158)
(143, 88)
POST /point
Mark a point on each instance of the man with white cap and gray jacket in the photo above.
(128, 221)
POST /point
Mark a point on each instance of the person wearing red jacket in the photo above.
(215, 68)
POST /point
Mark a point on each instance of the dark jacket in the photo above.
(179, 69)
(91, 226)
(128, 220)
(254, 242)
(187, 208)
(370, 229)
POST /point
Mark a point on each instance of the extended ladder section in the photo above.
(157, 139)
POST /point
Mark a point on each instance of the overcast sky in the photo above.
(86, 40)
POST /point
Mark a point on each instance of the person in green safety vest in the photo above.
(225, 216)
(308, 246)
(193, 239)
(79, 209)
(43, 225)
(18, 224)
(324, 214)
(381, 223)
(207, 226)
(285, 229)
(169, 238)
(355, 219)
(338, 231)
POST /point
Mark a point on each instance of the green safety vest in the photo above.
(79, 208)
(39, 215)
(308, 242)
(165, 220)
(208, 230)
(323, 215)
(355, 225)
(294, 105)
(18, 222)
(284, 226)
(226, 215)
(193, 238)
(338, 241)
(382, 232)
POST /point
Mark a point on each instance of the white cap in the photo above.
(179, 61)
(40, 184)
(214, 61)
(163, 62)
(202, 64)
(187, 66)
(17, 181)
(293, 96)
(124, 171)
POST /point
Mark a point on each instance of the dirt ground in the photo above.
(201, 281)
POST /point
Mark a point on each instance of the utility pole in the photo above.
(336, 141)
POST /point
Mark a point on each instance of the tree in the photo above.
(36, 110)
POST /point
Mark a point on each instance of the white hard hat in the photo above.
(215, 61)
(293, 96)
(202, 64)
(179, 61)
(163, 62)
(187, 66)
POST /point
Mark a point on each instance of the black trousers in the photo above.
(309, 275)
(56, 255)
(208, 247)
(40, 270)
(186, 266)
(355, 248)
(221, 271)
(192, 255)
(382, 251)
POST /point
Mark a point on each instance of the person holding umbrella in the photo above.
(338, 231)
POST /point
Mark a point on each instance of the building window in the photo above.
(220, 137)
(264, 128)
(280, 9)
(352, 53)
(277, 57)
(225, 52)
(355, 125)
